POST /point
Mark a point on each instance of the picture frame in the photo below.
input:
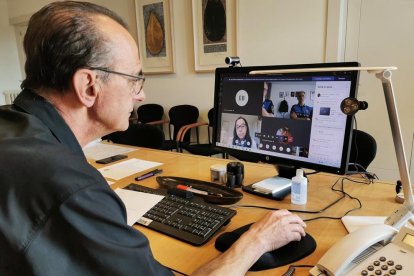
(216, 39)
(155, 36)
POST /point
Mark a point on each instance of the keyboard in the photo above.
(190, 220)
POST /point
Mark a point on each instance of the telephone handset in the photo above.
(338, 260)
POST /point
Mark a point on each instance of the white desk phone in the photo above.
(362, 253)
(353, 254)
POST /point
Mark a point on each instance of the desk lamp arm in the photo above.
(403, 214)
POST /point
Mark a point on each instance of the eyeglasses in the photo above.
(241, 126)
(138, 80)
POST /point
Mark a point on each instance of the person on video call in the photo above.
(58, 214)
(267, 107)
(300, 110)
(241, 133)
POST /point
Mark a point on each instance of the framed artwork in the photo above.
(155, 36)
(214, 30)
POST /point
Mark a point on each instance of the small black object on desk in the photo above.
(111, 159)
(287, 254)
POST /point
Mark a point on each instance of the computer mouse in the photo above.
(287, 254)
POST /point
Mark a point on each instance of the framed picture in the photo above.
(155, 36)
(214, 30)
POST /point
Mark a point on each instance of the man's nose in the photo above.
(140, 97)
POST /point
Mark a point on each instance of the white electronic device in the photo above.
(362, 253)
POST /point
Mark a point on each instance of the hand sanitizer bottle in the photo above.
(299, 193)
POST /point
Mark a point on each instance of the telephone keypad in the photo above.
(387, 267)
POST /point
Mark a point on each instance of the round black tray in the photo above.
(219, 194)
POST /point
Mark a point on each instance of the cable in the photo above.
(292, 268)
(341, 191)
(297, 211)
(345, 194)
(366, 175)
(179, 272)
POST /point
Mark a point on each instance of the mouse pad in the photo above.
(287, 254)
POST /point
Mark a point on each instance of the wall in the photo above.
(279, 32)
(379, 34)
(9, 63)
(282, 34)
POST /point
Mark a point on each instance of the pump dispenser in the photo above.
(299, 193)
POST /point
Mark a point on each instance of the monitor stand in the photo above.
(276, 187)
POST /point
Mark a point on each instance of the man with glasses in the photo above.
(58, 216)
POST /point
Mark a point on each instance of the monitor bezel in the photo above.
(256, 157)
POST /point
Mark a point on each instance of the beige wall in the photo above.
(379, 34)
(281, 32)
(9, 63)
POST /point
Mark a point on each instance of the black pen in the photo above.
(149, 174)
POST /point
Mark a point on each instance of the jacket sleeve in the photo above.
(88, 235)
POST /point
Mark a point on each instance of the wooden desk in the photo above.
(377, 199)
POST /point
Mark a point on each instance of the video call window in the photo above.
(284, 117)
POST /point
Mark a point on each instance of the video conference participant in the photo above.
(241, 133)
(301, 110)
(268, 106)
(58, 214)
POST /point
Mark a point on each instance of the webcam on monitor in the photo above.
(232, 61)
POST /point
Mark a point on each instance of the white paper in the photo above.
(137, 203)
(126, 168)
(352, 223)
(97, 150)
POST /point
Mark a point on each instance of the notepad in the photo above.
(137, 203)
(127, 168)
(99, 150)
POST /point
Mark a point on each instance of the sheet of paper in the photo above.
(126, 168)
(352, 223)
(98, 150)
(137, 203)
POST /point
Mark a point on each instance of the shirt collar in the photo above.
(36, 105)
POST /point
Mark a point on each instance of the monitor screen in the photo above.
(291, 119)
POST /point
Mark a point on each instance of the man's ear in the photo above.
(84, 85)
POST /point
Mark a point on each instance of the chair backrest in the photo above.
(210, 116)
(181, 115)
(10, 96)
(140, 135)
(363, 149)
(149, 113)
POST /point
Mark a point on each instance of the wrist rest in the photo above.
(289, 253)
(228, 196)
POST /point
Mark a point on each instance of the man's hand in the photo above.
(277, 229)
(274, 230)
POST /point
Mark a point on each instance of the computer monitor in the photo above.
(287, 119)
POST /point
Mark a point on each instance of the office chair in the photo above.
(363, 151)
(180, 115)
(150, 113)
(140, 135)
(207, 149)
